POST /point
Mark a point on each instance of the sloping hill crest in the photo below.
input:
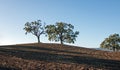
(58, 56)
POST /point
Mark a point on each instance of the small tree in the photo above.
(62, 32)
(36, 28)
(112, 43)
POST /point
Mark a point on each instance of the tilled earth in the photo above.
(45, 56)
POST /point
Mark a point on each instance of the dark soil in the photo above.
(45, 56)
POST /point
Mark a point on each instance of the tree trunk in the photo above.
(38, 37)
(61, 41)
(114, 49)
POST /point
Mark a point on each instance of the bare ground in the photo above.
(45, 56)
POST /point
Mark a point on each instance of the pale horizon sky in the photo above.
(94, 19)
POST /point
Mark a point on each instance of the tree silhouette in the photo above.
(112, 42)
(36, 28)
(62, 32)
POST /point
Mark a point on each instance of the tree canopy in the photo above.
(112, 42)
(36, 28)
(62, 32)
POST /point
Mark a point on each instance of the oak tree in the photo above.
(112, 42)
(62, 32)
(36, 28)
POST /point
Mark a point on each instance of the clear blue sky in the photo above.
(95, 19)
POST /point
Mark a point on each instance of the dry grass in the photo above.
(46, 56)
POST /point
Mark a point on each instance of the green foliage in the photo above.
(62, 32)
(112, 43)
(35, 28)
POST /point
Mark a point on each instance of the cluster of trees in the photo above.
(63, 32)
(60, 31)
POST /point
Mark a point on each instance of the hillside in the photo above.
(45, 56)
